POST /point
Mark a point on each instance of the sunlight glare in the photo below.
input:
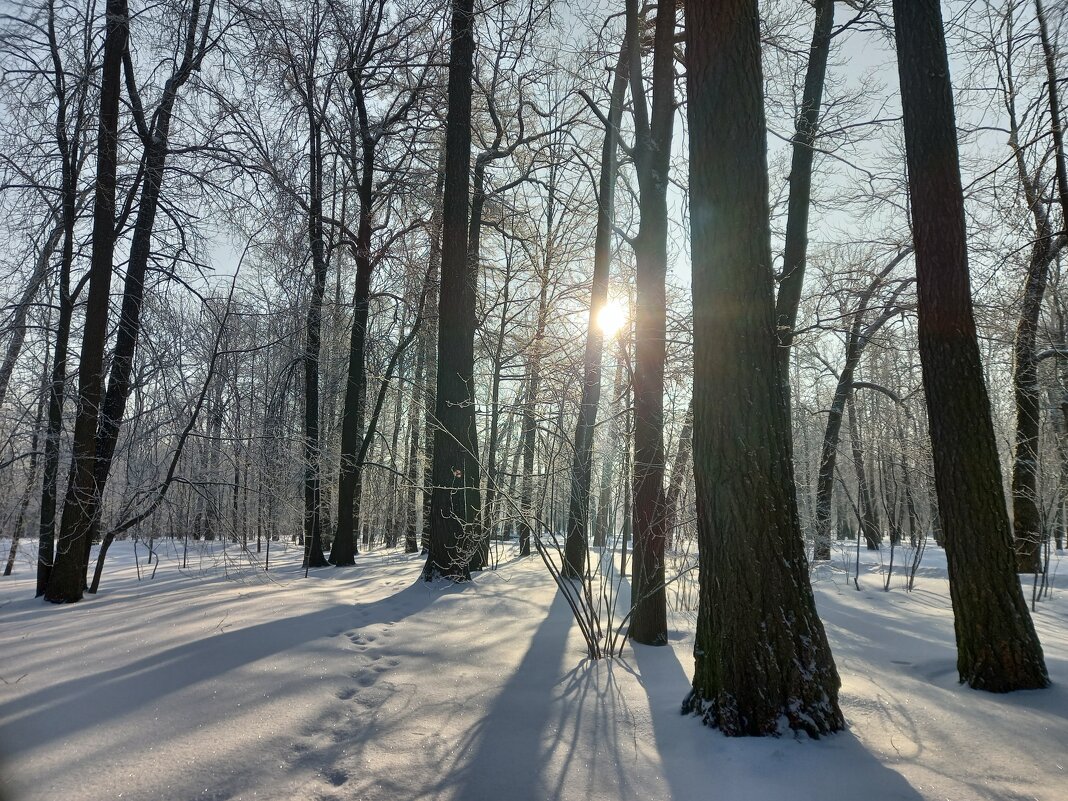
(611, 318)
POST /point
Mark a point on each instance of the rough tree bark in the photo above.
(454, 505)
(762, 658)
(997, 648)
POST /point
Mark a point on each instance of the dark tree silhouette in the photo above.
(66, 582)
(454, 503)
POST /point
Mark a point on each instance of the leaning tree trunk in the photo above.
(582, 465)
(454, 505)
(762, 658)
(652, 151)
(66, 581)
(22, 307)
(795, 250)
(997, 648)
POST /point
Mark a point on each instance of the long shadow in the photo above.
(696, 759)
(88, 700)
(512, 732)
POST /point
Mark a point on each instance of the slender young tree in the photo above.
(1026, 501)
(795, 251)
(761, 654)
(582, 464)
(997, 648)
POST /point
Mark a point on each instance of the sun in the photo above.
(611, 318)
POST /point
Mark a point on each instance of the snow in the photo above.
(367, 683)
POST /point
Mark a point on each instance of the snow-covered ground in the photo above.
(366, 683)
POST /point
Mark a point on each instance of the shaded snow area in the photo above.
(366, 683)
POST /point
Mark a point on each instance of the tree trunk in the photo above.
(582, 466)
(761, 653)
(529, 437)
(997, 648)
(679, 474)
(66, 582)
(411, 520)
(313, 549)
(454, 506)
(156, 144)
(31, 479)
(429, 393)
(795, 251)
(343, 551)
(869, 515)
(1026, 514)
(652, 151)
(22, 307)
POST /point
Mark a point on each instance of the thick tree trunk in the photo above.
(454, 506)
(762, 658)
(66, 582)
(582, 465)
(997, 648)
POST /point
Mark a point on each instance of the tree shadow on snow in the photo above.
(503, 755)
(89, 699)
(699, 762)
